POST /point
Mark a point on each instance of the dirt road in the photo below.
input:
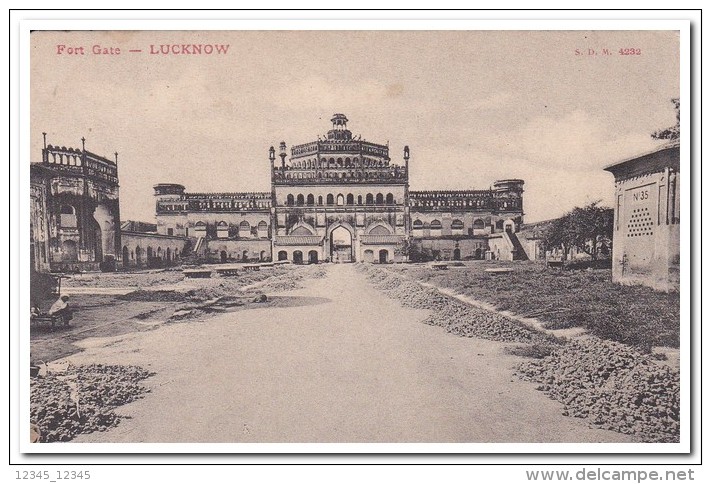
(342, 364)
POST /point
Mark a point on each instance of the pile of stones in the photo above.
(82, 399)
(464, 320)
(454, 316)
(293, 279)
(613, 385)
(610, 384)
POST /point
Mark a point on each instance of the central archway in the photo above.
(341, 245)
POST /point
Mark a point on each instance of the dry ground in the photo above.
(335, 361)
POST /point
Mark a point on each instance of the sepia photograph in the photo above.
(357, 236)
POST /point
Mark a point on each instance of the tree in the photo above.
(672, 133)
(558, 234)
(587, 228)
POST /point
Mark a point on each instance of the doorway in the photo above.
(313, 257)
(341, 245)
(383, 256)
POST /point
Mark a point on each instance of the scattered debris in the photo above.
(82, 399)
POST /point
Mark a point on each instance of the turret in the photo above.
(282, 154)
(513, 185)
(340, 128)
(168, 190)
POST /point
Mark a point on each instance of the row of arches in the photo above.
(340, 199)
(243, 256)
(149, 257)
(478, 203)
(64, 158)
(457, 224)
(242, 225)
(350, 175)
(244, 229)
(340, 162)
(298, 257)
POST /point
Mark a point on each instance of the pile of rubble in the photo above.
(613, 385)
(293, 279)
(82, 399)
(456, 317)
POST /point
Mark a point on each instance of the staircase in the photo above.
(196, 252)
(518, 252)
(199, 246)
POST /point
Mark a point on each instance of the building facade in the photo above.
(336, 199)
(342, 199)
(645, 247)
(75, 224)
(74, 207)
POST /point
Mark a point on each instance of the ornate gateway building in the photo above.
(74, 210)
(342, 199)
(75, 224)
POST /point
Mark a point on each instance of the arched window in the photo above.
(299, 200)
(478, 224)
(417, 224)
(244, 229)
(360, 199)
(310, 199)
(290, 199)
(389, 199)
(369, 199)
(339, 199)
(349, 199)
(200, 229)
(436, 225)
(320, 200)
(262, 229)
(222, 230)
(379, 199)
(329, 199)
(457, 224)
(67, 217)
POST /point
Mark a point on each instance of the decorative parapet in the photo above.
(339, 175)
(215, 202)
(75, 161)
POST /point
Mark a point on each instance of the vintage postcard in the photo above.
(397, 239)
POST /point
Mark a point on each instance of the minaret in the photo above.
(272, 210)
(282, 154)
(45, 156)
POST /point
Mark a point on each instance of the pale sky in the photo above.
(473, 106)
